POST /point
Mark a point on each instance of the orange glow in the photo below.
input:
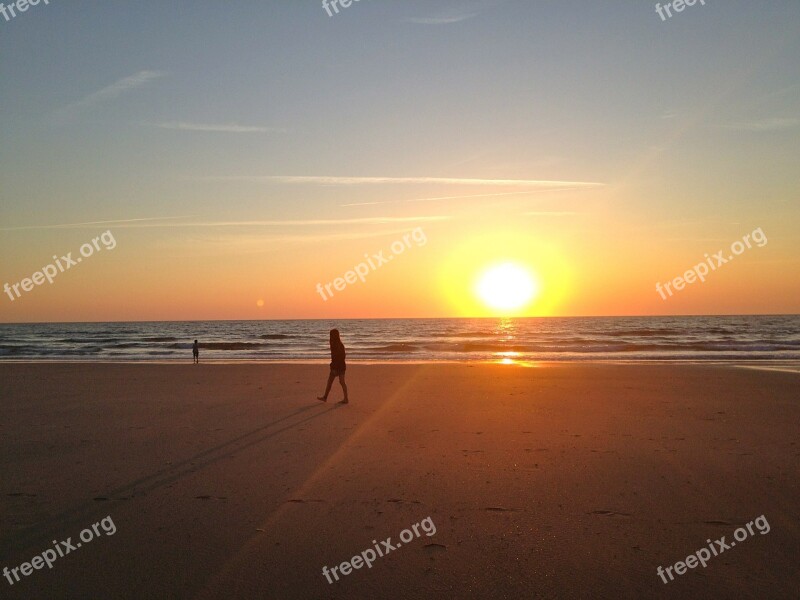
(505, 274)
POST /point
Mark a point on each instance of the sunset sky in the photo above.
(242, 154)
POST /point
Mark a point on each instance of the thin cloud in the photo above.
(315, 222)
(221, 128)
(773, 124)
(240, 240)
(522, 192)
(92, 223)
(321, 180)
(113, 91)
(457, 14)
(147, 224)
(444, 20)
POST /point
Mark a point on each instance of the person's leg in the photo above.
(344, 387)
(331, 377)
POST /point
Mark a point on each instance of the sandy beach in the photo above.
(558, 481)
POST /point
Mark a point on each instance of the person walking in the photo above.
(338, 367)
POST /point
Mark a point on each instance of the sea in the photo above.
(522, 340)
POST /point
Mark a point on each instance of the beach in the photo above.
(567, 480)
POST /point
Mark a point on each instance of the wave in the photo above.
(228, 345)
(644, 333)
(18, 349)
(128, 345)
(705, 338)
(475, 334)
(395, 348)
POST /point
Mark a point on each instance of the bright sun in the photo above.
(506, 287)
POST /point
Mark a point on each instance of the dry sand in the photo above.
(563, 481)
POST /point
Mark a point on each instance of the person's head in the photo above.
(195, 341)
(335, 337)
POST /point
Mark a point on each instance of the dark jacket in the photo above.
(337, 357)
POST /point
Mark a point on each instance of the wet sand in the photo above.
(562, 481)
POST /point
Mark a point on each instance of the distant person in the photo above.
(338, 367)
(196, 352)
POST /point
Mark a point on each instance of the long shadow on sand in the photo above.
(85, 514)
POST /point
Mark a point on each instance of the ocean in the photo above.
(728, 338)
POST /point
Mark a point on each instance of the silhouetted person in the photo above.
(196, 352)
(338, 367)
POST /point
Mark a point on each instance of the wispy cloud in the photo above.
(240, 244)
(158, 223)
(118, 223)
(315, 222)
(461, 197)
(771, 124)
(443, 20)
(112, 91)
(219, 128)
(456, 14)
(322, 180)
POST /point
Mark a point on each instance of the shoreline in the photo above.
(741, 363)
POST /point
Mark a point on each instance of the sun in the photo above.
(506, 287)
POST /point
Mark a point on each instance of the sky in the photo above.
(242, 156)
